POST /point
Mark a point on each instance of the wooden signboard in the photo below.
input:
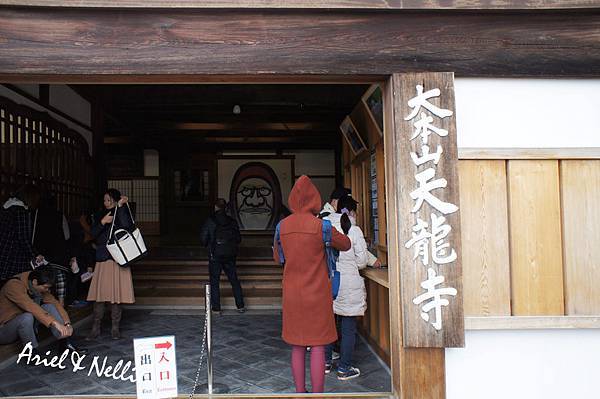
(428, 210)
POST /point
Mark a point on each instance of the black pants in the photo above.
(228, 266)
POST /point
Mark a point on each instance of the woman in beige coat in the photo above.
(111, 284)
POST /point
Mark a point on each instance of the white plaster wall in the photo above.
(64, 98)
(319, 163)
(31, 89)
(542, 113)
(531, 364)
(86, 134)
(151, 163)
(314, 162)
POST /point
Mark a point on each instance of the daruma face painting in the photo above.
(255, 196)
(255, 203)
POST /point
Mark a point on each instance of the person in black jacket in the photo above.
(221, 235)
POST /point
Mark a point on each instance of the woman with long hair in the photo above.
(111, 284)
(351, 300)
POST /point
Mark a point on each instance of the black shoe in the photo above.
(68, 345)
(348, 374)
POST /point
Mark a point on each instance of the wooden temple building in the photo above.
(469, 131)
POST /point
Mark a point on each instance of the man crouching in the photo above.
(25, 301)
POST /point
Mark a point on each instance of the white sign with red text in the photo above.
(155, 367)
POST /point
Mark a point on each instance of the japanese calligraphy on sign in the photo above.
(156, 367)
(430, 242)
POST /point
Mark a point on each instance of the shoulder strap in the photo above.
(34, 226)
(113, 222)
(115, 219)
(326, 227)
(130, 214)
(324, 214)
(278, 243)
(330, 252)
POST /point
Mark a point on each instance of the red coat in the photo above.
(307, 303)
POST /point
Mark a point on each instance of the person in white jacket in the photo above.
(331, 207)
(351, 300)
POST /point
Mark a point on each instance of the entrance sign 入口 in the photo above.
(155, 367)
(429, 222)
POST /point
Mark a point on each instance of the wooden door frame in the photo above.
(412, 369)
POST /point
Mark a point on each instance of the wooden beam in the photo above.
(178, 44)
(239, 126)
(531, 322)
(216, 139)
(530, 153)
(182, 78)
(313, 4)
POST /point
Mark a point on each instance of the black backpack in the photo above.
(225, 244)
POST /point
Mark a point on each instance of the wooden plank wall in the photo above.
(530, 237)
(484, 221)
(375, 324)
(525, 225)
(580, 193)
(535, 238)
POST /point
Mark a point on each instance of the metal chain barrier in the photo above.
(202, 350)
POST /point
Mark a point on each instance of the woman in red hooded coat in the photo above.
(307, 302)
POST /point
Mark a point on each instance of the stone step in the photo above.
(178, 284)
(189, 252)
(194, 270)
(241, 262)
(227, 302)
(204, 276)
(155, 295)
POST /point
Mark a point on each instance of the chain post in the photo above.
(209, 340)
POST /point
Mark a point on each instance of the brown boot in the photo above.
(115, 313)
(98, 314)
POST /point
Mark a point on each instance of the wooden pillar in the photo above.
(339, 178)
(416, 349)
(98, 149)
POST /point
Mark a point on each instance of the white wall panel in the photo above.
(86, 134)
(64, 98)
(527, 113)
(31, 89)
(532, 364)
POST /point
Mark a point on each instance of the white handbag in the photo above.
(125, 247)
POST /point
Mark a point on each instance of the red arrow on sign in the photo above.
(166, 345)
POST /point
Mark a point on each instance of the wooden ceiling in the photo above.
(276, 113)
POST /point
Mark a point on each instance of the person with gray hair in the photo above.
(16, 230)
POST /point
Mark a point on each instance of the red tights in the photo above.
(317, 367)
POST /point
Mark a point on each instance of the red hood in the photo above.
(304, 197)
